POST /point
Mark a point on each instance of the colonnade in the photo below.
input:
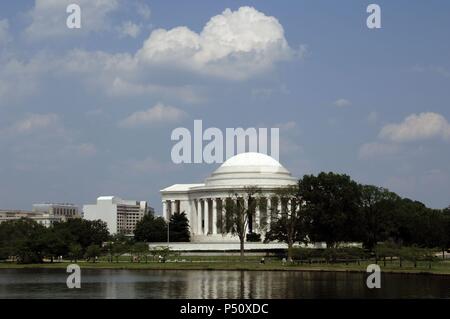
(207, 214)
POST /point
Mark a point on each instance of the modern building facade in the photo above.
(204, 203)
(66, 211)
(121, 216)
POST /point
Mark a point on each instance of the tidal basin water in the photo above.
(51, 283)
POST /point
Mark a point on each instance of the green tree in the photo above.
(141, 249)
(119, 248)
(93, 252)
(75, 252)
(23, 240)
(162, 251)
(179, 228)
(385, 250)
(445, 242)
(151, 229)
(412, 254)
(289, 225)
(84, 232)
(116, 246)
(239, 209)
(109, 250)
(376, 222)
(408, 222)
(332, 206)
(56, 242)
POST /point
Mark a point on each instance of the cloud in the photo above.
(435, 69)
(375, 149)
(150, 165)
(372, 118)
(83, 150)
(19, 79)
(48, 17)
(121, 87)
(34, 122)
(129, 29)
(144, 11)
(234, 45)
(159, 113)
(289, 138)
(5, 37)
(342, 103)
(40, 142)
(116, 75)
(289, 126)
(417, 127)
(265, 93)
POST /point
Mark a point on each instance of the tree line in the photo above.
(334, 209)
(26, 241)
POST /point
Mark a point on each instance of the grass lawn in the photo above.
(211, 263)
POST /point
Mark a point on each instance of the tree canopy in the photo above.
(29, 242)
(332, 211)
(336, 209)
(151, 229)
(179, 228)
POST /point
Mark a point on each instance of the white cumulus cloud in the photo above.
(417, 127)
(159, 113)
(234, 45)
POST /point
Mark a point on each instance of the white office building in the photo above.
(120, 215)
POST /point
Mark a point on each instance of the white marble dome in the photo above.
(250, 169)
(252, 159)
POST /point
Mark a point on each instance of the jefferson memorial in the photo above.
(204, 203)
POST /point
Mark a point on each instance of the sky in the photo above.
(89, 112)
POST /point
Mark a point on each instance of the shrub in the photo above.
(329, 254)
(253, 237)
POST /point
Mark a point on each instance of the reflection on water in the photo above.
(51, 283)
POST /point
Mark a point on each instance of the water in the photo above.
(95, 283)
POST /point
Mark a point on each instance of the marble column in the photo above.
(269, 211)
(247, 217)
(280, 208)
(257, 217)
(289, 207)
(171, 206)
(224, 202)
(214, 216)
(164, 203)
(199, 217)
(206, 210)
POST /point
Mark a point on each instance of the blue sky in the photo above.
(370, 103)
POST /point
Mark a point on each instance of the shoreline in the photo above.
(444, 271)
